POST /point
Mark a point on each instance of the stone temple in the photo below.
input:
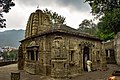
(57, 50)
(112, 50)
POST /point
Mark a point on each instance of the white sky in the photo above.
(75, 12)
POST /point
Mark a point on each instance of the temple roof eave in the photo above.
(62, 31)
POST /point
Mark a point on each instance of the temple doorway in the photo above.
(85, 57)
(110, 56)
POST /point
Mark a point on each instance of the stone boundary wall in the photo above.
(8, 63)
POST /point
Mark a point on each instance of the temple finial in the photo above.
(37, 6)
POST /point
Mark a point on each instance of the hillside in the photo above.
(11, 38)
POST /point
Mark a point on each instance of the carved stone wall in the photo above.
(74, 50)
(62, 55)
(58, 58)
(20, 58)
(59, 54)
(117, 47)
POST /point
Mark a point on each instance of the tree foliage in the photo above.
(104, 33)
(99, 7)
(54, 17)
(87, 26)
(10, 55)
(5, 6)
(110, 19)
(109, 24)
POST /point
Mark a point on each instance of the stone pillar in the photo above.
(82, 57)
(35, 55)
(118, 54)
(108, 53)
(103, 59)
(20, 58)
(80, 60)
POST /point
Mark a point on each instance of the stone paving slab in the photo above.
(5, 74)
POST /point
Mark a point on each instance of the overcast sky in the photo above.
(75, 12)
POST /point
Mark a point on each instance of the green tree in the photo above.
(99, 7)
(109, 24)
(104, 33)
(5, 6)
(110, 19)
(10, 55)
(55, 18)
(13, 55)
(87, 26)
(4, 55)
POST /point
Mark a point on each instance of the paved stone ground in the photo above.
(5, 74)
(99, 75)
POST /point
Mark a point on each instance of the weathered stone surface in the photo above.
(112, 50)
(58, 51)
(15, 75)
(117, 47)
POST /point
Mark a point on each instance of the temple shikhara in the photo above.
(57, 50)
